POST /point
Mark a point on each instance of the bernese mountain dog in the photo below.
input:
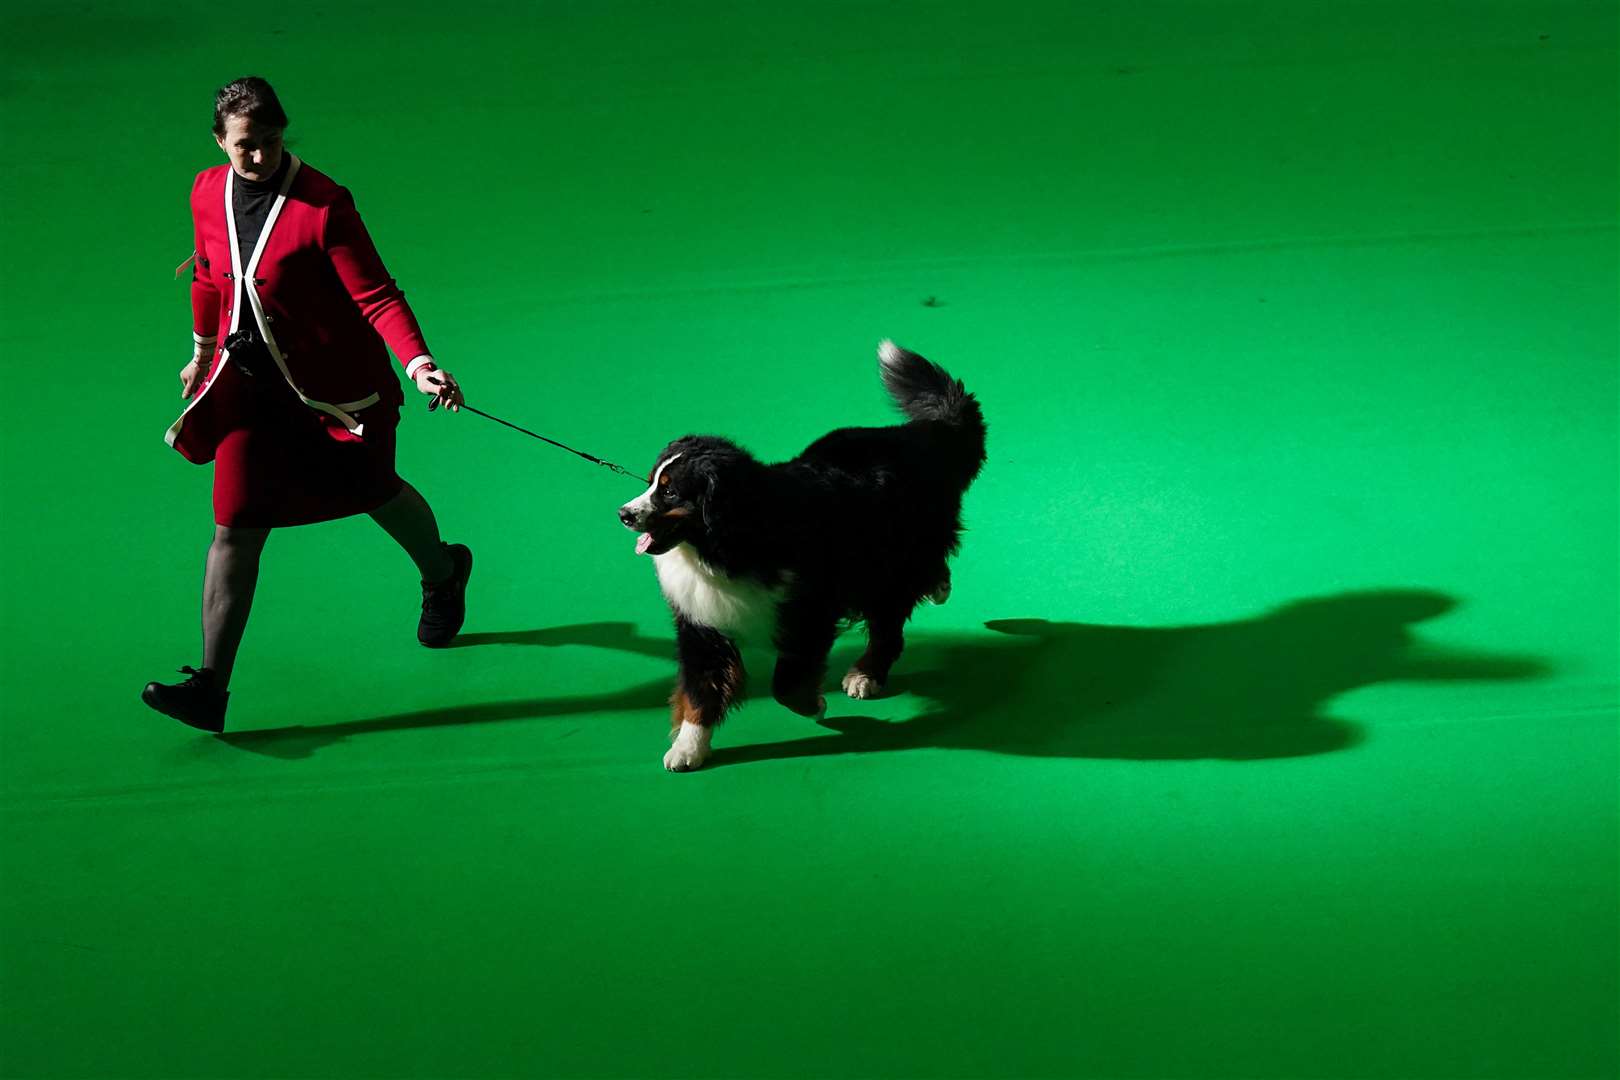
(857, 528)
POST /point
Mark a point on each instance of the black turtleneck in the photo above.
(250, 204)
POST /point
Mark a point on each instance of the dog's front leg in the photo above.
(711, 677)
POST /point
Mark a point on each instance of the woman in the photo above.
(291, 391)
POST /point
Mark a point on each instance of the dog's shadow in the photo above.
(1249, 689)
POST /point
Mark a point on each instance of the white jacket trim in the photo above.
(243, 279)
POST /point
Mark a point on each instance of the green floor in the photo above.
(1271, 729)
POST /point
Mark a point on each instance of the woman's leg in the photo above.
(445, 568)
(409, 520)
(229, 579)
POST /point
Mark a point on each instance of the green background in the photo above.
(1289, 751)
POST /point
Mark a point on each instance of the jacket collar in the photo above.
(237, 268)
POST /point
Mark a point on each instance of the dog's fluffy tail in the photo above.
(926, 392)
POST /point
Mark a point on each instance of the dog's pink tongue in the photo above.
(643, 542)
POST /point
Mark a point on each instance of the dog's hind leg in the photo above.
(805, 629)
(711, 678)
(885, 638)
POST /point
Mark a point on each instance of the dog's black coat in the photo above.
(857, 527)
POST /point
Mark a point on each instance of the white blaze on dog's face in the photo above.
(636, 512)
(657, 513)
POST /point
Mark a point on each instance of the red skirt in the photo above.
(278, 465)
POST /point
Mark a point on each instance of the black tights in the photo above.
(232, 572)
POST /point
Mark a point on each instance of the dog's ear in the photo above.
(707, 471)
(729, 480)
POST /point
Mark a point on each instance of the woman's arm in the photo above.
(361, 270)
(205, 303)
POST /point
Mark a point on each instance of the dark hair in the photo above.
(249, 96)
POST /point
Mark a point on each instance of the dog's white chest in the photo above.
(740, 608)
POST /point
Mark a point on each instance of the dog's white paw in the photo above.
(678, 760)
(690, 750)
(861, 686)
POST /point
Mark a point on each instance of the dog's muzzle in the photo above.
(634, 517)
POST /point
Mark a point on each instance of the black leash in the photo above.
(608, 465)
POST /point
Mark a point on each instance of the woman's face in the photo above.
(254, 150)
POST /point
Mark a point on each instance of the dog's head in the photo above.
(685, 501)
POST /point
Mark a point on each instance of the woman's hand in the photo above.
(190, 376)
(442, 385)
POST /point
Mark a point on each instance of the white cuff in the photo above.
(411, 368)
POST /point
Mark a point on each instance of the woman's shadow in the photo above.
(1249, 689)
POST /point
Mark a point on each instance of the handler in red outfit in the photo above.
(292, 394)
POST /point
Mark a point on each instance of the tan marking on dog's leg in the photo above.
(689, 738)
(681, 710)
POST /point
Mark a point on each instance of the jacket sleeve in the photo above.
(204, 297)
(361, 270)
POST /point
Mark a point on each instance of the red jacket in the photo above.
(325, 305)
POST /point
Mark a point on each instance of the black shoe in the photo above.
(444, 604)
(197, 701)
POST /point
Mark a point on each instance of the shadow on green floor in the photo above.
(1249, 689)
(300, 741)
